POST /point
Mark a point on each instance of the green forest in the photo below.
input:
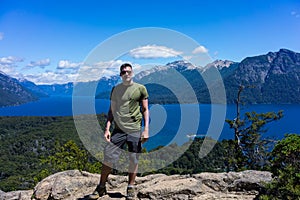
(32, 148)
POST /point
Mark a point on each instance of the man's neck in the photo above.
(128, 82)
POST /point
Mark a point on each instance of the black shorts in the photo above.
(118, 139)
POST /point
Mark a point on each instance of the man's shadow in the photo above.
(113, 195)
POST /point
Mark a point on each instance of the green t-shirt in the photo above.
(128, 98)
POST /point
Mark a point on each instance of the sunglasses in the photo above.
(124, 72)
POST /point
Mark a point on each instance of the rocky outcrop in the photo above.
(71, 185)
(16, 195)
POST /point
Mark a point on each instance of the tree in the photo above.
(68, 157)
(251, 150)
(285, 160)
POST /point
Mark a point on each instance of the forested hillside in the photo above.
(35, 147)
(26, 140)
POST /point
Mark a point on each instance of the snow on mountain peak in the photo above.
(220, 64)
(177, 65)
(181, 65)
(144, 73)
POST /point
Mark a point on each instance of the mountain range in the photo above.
(270, 78)
(13, 93)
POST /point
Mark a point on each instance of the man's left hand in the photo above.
(145, 136)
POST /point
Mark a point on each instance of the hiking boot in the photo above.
(99, 192)
(130, 193)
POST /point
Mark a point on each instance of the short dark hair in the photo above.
(124, 66)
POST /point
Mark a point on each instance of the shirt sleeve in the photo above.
(144, 93)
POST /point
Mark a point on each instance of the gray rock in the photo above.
(249, 181)
(76, 185)
(16, 195)
(68, 185)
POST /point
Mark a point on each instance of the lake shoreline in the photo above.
(170, 122)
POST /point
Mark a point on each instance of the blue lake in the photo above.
(169, 123)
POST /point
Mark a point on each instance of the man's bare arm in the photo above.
(145, 111)
(109, 121)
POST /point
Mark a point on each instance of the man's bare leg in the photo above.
(133, 169)
(106, 169)
(101, 189)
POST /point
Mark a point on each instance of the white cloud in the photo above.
(200, 49)
(10, 60)
(103, 69)
(1, 36)
(153, 51)
(66, 64)
(8, 70)
(41, 63)
(99, 70)
(65, 72)
(50, 77)
(8, 65)
(187, 57)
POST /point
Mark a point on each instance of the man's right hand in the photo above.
(107, 135)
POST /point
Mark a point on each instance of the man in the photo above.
(129, 105)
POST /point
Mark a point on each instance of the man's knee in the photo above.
(107, 164)
(134, 158)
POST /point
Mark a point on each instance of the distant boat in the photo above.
(195, 135)
(191, 135)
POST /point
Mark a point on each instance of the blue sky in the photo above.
(48, 41)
